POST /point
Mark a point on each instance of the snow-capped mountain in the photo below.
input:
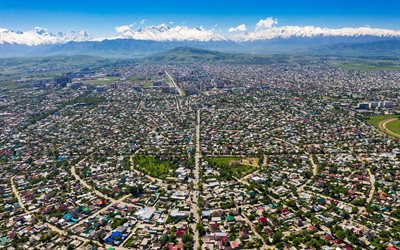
(164, 32)
(264, 30)
(40, 36)
(139, 40)
(312, 31)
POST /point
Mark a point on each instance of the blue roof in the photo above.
(116, 234)
(67, 216)
(109, 240)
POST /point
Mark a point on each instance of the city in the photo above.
(238, 156)
(200, 125)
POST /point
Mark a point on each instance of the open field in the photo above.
(229, 167)
(369, 65)
(152, 166)
(394, 126)
(389, 124)
(145, 82)
(104, 81)
(375, 120)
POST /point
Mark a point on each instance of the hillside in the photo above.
(194, 55)
(388, 48)
(131, 48)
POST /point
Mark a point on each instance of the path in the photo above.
(16, 193)
(120, 200)
(371, 179)
(166, 118)
(372, 191)
(194, 205)
(382, 126)
(84, 183)
(173, 84)
(255, 231)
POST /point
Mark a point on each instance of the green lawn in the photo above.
(368, 65)
(145, 82)
(152, 166)
(394, 126)
(222, 161)
(130, 241)
(229, 167)
(103, 81)
(375, 120)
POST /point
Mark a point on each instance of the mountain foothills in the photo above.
(139, 48)
(183, 55)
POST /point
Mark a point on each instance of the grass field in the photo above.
(145, 82)
(375, 120)
(11, 85)
(103, 81)
(394, 126)
(368, 65)
(229, 167)
(152, 166)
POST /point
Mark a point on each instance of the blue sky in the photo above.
(101, 17)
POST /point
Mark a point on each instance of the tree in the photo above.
(136, 190)
(279, 245)
(186, 238)
(201, 229)
(313, 243)
(277, 237)
(340, 234)
(296, 242)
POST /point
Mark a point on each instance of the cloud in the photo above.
(142, 21)
(266, 23)
(241, 28)
(123, 28)
(164, 32)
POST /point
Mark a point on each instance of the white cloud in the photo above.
(123, 28)
(163, 32)
(241, 28)
(142, 21)
(266, 23)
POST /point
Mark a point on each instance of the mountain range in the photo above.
(145, 41)
(130, 48)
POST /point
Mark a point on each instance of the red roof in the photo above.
(178, 246)
(262, 220)
(214, 226)
(234, 244)
(180, 232)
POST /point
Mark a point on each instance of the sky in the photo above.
(100, 17)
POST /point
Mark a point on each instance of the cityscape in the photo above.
(195, 147)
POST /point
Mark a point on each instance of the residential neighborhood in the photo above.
(200, 156)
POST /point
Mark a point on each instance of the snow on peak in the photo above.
(39, 36)
(265, 30)
(164, 32)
